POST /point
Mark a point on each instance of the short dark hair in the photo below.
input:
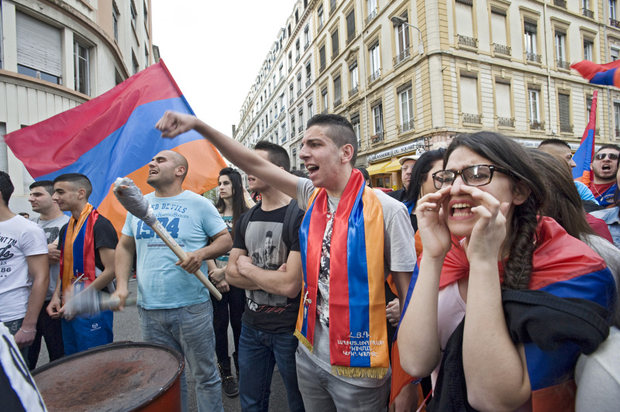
(609, 146)
(276, 153)
(45, 184)
(6, 187)
(419, 173)
(77, 178)
(339, 129)
(558, 142)
(364, 173)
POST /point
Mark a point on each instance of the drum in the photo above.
(123, 376)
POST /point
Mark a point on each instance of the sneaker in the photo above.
(229, 384)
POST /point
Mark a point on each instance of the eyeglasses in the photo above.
(478, 175)
(601, 156)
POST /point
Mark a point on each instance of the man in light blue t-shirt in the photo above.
(173, 305)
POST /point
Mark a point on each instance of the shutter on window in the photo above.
(350, 25)
(564, 102)
(38, 45)
(502, 92)
(469, 95)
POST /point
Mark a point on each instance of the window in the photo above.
(306, 37)
(372, 9)
(530, 32)
(297, 50)
(332, 6)
(375, 62)
(335, 45)
(377, 119)
(310, 109)
(322, 58)
(354, 79)
(301, 119)
(81, 60)
(469, 98)
(564, 109)
(350, 26)
(405, 98)
(355, 122)
(617, 118)
(402, 41)
(296, 17)
(588, 47)
(560, 50)
(290, 61)
(291, 93)
(613, 53)
(337, 92)
(115, 16)
(283, 128)
(320, 16)
(281, 71)
(613, 13)
(503, 104)
(134, 14)
(465, 23)
(308, 74)
(586, 10)
(588, 107)
(498, 26)
(146, 16)
(299, 85)
(146, 55)
(39, 49)
(324, 101)
(293, 125)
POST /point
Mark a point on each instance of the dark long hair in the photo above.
(510, 155)
(420, 172)
(238, 202)
(563, 202)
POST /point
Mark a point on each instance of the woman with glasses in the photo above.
(484, 313)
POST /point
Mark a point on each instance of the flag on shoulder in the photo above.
(113, 136)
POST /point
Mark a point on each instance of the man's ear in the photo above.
(347, 153)
(180, 171)
(81, 193)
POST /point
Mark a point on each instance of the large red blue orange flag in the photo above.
(603, 74)
(113, 136)
(583, 155)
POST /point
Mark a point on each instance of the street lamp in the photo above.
(401, 20)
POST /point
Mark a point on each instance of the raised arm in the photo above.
(123, 259)
(174, 124)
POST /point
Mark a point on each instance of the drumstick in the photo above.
(91, 302)
(130, 196)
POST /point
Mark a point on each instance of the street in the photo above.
(127, 328)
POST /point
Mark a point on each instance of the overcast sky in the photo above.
(215, 49)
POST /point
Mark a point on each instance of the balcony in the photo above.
(468, 41)
(536, 125)
(506, 122)
(560, 3)
(501, 49)
(615, 23)
(300, 129)
(308, 82)
(353, 91)
(402, 56)
(566, 128)
(337, 102)
(371, 16)
(405, 126)
(562, 64)
(378, 138)
(322, 68)
(472, 118)
(306, 46)
(533, 57)
(587, 13)
(374, 76)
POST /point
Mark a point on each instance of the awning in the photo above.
(394, 166)
(377, 168)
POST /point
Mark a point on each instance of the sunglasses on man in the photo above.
(601, 156)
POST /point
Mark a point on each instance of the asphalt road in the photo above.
(127, 328)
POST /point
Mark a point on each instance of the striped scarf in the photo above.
(77, 256)
(357, 330)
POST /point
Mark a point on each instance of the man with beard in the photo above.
(604, 168)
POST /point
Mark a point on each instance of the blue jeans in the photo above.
(189, 330)
(259, 352)
(13, 326)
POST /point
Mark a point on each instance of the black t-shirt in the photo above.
(105, 236)
(263, 242)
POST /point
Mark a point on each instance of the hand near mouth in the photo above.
(489, 231)
(435, 235)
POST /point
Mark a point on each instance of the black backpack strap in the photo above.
(245, 218)
(288, 230)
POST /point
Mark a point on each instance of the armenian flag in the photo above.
(583, 155)
(113, 136)
(603, 74)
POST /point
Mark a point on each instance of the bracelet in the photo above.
(28, 331)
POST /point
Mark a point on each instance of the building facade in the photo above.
(55, 55)
(409, 74)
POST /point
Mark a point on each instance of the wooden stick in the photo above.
(174, 246)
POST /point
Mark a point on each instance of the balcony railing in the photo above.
(566, 128)
(292, 134)
(405, 126)
(536, 125)
(587, 13)
(322, 68)
(371, 15)
(374, 76)
(468, 41)
(378, 138)
(562, 64)
(300, 129)
(290, 102)
(308, 82)
(402, 56)
(501, 49)
(506, 122)
(560, 3)
(298, 92)
(337, 102)
(615, 23)
(283, 139)
(533, 57)
(472, 118)
(353, 91)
